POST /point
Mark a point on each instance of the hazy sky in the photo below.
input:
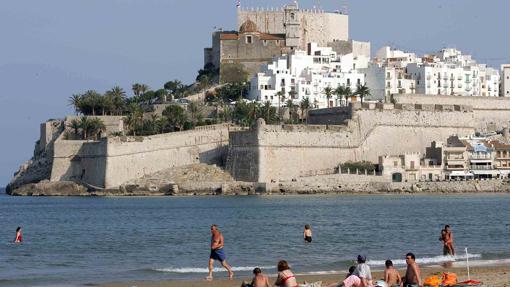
(51, 49)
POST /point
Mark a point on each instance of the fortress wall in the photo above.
(267, 21)
(243, 155)
(290, 152)
(79, 161)
(135, 157)
(112, 123)
(490, 113)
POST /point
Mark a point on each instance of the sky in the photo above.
(52, 49)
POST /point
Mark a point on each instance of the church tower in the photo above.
(292, 26)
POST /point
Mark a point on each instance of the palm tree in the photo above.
(176, 117)
(304, 106)
(291, 106)
(75, 124)
(136, 89)
(362, 91)
(118, 99)
(348, 94)
(343, 91)
(328, 91)
(143, 88)
(94, 100)
(134, 118)
(281, 96)
(85, 125)
(76, 101)
(96, 127)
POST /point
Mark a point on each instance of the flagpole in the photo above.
(467, 263)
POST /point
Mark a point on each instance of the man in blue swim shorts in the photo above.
(217, 253)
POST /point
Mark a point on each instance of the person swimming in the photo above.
(307, 234)
(19, 236)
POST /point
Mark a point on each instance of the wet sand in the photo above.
(493, 276)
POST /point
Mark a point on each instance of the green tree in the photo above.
(232, 92)
(281, 98)
(137, 89)
(118, 100)
(176, 117)
(362, 91)
(328, 91)
(95, 128)
(268, 113)
(161, 95)
(76, 101)
(304, 106)
(75, 125)
(173, 87)
(292, 110)
(134, 118)
(195, 110)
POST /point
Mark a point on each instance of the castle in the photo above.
(267, 33)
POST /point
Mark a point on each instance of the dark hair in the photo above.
(307, 226)
(446, 226)
(411, 255)
(283, 265)
(257, 271)
(18, 229)
(214, 225)
(351, 269)
(388, 263)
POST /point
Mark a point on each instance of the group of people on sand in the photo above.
(358, 276)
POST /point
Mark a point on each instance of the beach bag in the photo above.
(433, 281)
(449, 279)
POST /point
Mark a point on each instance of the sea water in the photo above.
(78, 241)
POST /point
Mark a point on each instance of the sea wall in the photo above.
(290, 152)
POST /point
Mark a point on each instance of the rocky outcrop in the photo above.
(47, 188)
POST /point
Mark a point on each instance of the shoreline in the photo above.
(493, 276)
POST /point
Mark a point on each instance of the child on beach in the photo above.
(391, 275)
(307, 234)
(19, 236)
(259, 280)
(285, 277)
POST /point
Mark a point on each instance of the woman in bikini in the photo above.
(285, 277)
(19, 236)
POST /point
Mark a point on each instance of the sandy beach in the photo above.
(493, 276)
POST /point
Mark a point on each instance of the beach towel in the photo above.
(433, 281)
(449, 279)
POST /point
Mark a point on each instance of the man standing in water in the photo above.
(217, 253)
(413, 276)
(447, 239)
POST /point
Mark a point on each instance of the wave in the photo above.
(426, 260)
(205, 270)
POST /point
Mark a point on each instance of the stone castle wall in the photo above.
(110, 162)
(289, 152)
(315, 25)
(490, 113)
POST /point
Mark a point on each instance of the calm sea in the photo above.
(78, 241)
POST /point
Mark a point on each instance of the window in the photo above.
(292, 16)
(412, 164)
(395, 163)
(348, 82)
(359, 82)
(249, 39)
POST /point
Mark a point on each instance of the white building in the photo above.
(505, 80)
(307, 74)
(447, 72)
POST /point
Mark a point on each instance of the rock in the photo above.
(47, 188)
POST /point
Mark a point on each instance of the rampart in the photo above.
(489, 113)
(112, 161)
(273, 153)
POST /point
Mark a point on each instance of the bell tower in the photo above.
(292, 25)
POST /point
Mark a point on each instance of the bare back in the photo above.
(261, 280)
(392, 277)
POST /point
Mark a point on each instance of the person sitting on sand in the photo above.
(259, 280)
(391, 275)
(285, 277)
(307, 234)
(217, 253)
(363, 271)
(413, 276)
(350, 280)
(19, 236)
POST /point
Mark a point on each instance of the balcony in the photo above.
(481, 167)
(480, 156)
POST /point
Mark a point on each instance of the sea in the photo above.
(87, 241)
